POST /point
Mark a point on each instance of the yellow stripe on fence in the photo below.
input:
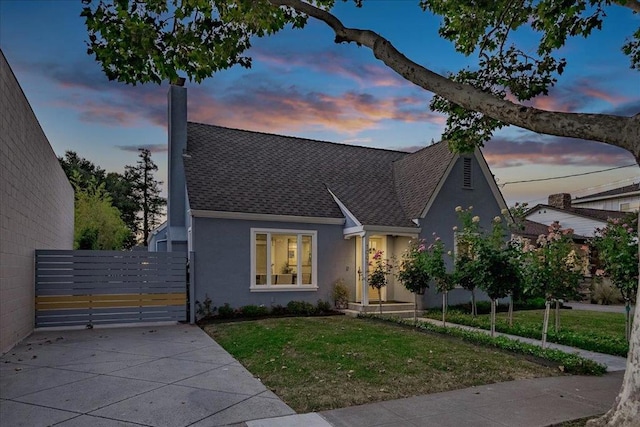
(62, 302)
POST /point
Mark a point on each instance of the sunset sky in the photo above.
(303, 84)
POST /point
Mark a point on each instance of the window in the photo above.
(625, 207)
(466, 172)
(283, 259)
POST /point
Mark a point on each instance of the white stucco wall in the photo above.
(36, 207)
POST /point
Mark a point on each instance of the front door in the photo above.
(375, 243)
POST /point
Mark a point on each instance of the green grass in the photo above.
(588, 330)
(324, 363)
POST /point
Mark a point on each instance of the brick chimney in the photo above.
(560, 200)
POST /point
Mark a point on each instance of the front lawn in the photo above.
(589, 330)
(331, 362)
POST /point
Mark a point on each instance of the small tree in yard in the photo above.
(617, 246)
(463, 273)
(554, 269)
(437, 270)
(412, 271)
(378, 277)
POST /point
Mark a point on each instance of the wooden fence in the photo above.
(103, 287)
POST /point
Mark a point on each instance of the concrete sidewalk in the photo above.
(599, 308)
(527, 403)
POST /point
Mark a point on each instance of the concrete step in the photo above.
(386, 307)
(405, 314)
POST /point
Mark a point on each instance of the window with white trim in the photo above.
(283, 259)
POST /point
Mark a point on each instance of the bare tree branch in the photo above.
(631, 4)
(620, 131)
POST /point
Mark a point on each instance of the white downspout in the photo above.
(365, 269)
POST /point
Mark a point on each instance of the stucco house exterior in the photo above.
(268, 219)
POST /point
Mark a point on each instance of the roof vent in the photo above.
(466, 172)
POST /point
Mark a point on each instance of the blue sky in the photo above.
(303, 84)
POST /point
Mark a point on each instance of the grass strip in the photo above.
(569, 363)
(599, 332)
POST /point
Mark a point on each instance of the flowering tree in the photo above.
(617, 246)
(486, 260)
(378, 277)
(554, 269)
(463, 273)
(436, 269)
(412, 271)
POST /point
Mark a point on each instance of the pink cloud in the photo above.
(502, 152)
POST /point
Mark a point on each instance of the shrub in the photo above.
(301, 308)
(604, 293)
(278, 310)
(323, 306)
(340, 294)
(226, 312)
(204, 309)
(254, 311)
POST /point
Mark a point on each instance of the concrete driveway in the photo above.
(153, 376)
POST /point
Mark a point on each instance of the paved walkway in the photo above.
(151, 376)
(597, 307)
(178, 376)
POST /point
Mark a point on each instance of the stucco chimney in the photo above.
(560, 200)
(176, 200)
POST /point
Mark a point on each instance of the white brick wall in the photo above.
(36, 207)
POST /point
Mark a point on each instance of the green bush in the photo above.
(253, 311)
(603, 292)
(205, 309)
(301, 308)
(323, 306)
(278, 310)
(340, 294)
(570, 363)
(226, 312)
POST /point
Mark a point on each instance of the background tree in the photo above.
(437, 269)
(618, 252)
(154, 41)
(97, 222)
(466, 235)
(84, 175)
(145, 193)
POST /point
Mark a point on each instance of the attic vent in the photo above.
(466, 172)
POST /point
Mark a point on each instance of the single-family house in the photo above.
(583, 221)
(268, 219)
(625, 199)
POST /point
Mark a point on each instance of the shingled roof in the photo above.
(598, 214)
(234, 170)
(613, 192)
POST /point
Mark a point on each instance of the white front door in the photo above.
(376, 243)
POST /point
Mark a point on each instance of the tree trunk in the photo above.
(380, 299)
(627, 323)
(493, 318)
(474, 309)
(510, 310)
(415, 307)
(545, 323)
(626, 409)
(557, 317)
(444, 312)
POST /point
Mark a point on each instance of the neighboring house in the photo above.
(157, 241)
(583, 221)
(268, 219)
(36, 207)
(625, 199)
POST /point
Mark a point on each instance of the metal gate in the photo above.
(106, 287)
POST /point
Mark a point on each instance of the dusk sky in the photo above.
(302, 84)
